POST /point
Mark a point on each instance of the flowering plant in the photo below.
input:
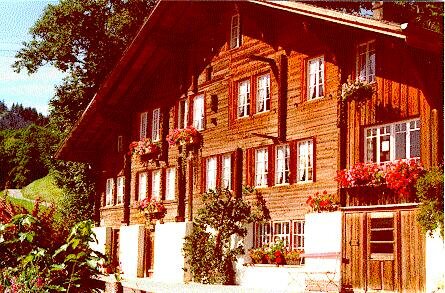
(151, 208)
(187, 136)
(402, 176)
(275, 253)
(323, 202)
(361, 174)
(144, 147)
(357, 90)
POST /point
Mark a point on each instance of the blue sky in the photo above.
(16, 17)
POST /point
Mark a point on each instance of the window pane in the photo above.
(142, 190)
(198, 112)
(211, 173)
(400, 145)
(414, 144)
(227, 172)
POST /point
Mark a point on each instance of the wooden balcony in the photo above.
(373, 195)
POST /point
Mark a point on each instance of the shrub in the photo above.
(208, 249)
(430, 192)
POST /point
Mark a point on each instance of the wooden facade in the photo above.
(174, 59)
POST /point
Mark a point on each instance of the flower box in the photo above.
(358, 91)
(187, 137)
(145, 149)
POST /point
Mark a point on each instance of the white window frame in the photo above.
(261, 167)
(198, 112)
(155, 126)
(156, 185)
(282, 164)
(375, 132)
(170, 184)
(305, 160)
(142, 185)
(267, 232)
(226, 172)
(263, 93)
(143, 125)
(109, 191)
(235, 32)
(365, 62)
(211, 172)
(315, 78)
(183, 113)
(243, 109)
(120, 182)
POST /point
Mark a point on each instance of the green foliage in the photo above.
(44, 188)
(208, 249)
(430, 191)
(36, 255)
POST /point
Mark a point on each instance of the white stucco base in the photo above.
(131, 250)
(168, 256)
(103, 236)
(435, 263)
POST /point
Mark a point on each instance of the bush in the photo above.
(208, 249)
(430, 192)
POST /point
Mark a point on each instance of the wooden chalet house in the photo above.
(262, 83)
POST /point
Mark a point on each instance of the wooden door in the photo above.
(353, 265)
(382, 251)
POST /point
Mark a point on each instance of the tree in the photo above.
(85, 39)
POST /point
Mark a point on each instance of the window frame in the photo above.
(156, 125)
(109, 192)
(311, 152)
(317, 79)
(211, 181)
(143, 124)
(392, 144)
(368, 78)
(258, 97)
(170, 188)
(264, 233)
(371, 240)
(265, 172)
(235, 32)
(286, 164)
(183, 113)
(142, 190)
(226, 176)
(199, 123)
(120, 190)
(156, 184)
(247, 101)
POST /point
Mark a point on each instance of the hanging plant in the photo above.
(145, 149)
(186, 137)
(152, 210)
(357, 91)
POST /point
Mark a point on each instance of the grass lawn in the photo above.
(45, 188)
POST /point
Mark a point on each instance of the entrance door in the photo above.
(353, 264)
(381, 250)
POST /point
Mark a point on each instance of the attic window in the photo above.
(366, 61)
(235, 32)
(120, 144)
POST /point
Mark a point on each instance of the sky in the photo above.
(16, 18)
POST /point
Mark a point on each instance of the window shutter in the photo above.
(271, 165)
(149, 183)
(163, 183)
(304, 81)
(250, 167)
(237, 171)
(189, 113)
(218, 171)
(314, 165)
(293, 162)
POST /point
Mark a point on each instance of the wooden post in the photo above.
(127, 188)
(282, 99)
(182, 184)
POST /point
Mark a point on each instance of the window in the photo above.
(143, 126)
(156, 185)
(120, 144)
(109, 188)
(298, 234)
(263, 93)
(183, 113)
(170, 184)
(391, 142)
(261, 167)
(155, 129)
(366, 61)
(211, 167)
(244, 98)
(291, 232)
(305, 161)
(198, 112)
(381, 240)
(120, 190)
(235, 35)
(142, 185)
(227, 172)
(315, 82)
(282, 164)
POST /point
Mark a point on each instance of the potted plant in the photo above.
(356, 90)
(258, 256)
(187, 137)
(292, 257)
(145, 149)
(152, 209)
(322, 202)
